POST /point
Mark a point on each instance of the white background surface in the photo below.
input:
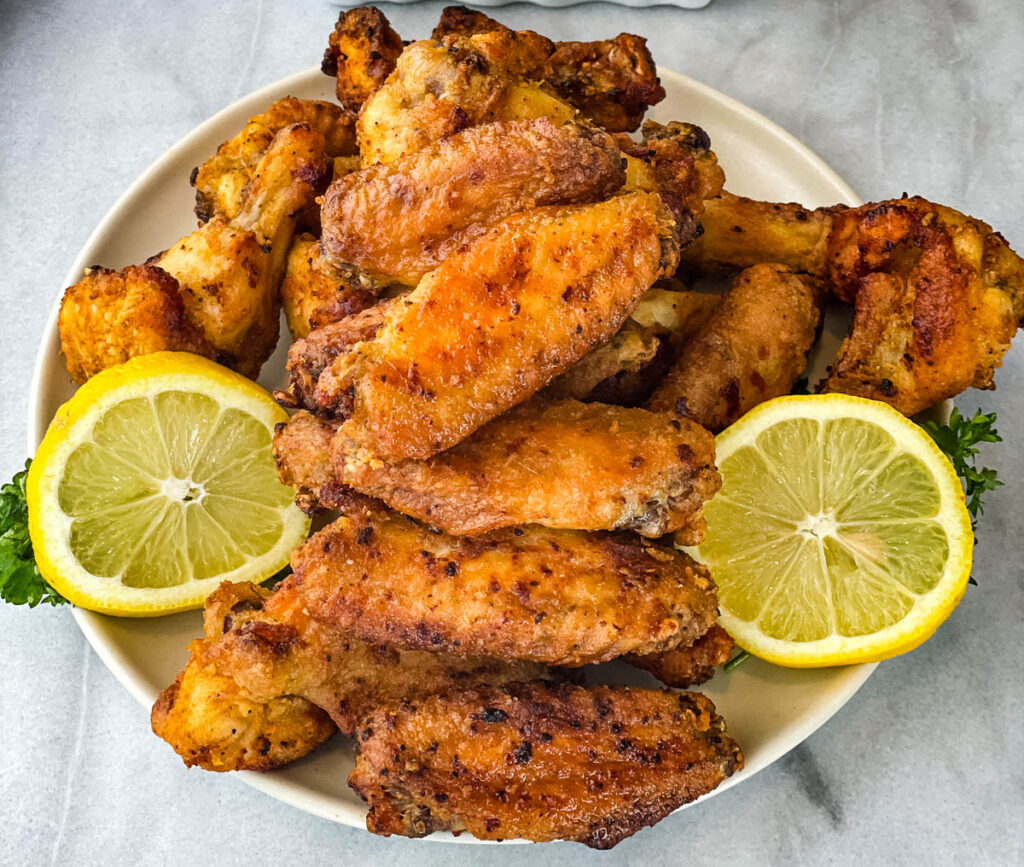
(925, 765)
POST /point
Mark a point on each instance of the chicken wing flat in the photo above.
(361, 53)
(315, 294)
(260, 691)
(558, 597)
(938, 297)
(395, 222)
(689, 665)
(109, 316)
(540, 762)
(740, 232)
(221, 182)
(561, 464)
(495, 323)
(753, 348)
(226, 274)
(612, 82)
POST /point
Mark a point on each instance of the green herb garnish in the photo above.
(736, 661)
(20, 581)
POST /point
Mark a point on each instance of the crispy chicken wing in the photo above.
(260, 691)
(440, 87)
(222, 181)
(361, 52)
(227, 274)
(938, 297)
(109, 316)
(689, 665)
(314, 293)
(752, 348)
(562, 465)
(612, 82)
(589, 764)
(558, 597)
(395, 222)
(495, 323)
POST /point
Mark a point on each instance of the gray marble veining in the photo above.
(924, 766)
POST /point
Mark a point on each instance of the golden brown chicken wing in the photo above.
(612, 82)
(541, 762)
(558, 597)
(260, 691)
(938, 297)
(227, 274)
(495, 323)
(108, 317)
(689, 665)
(314, 293)
(361, 52)
(752, 348)
(396, 222)
(222, 181)
(563, 465)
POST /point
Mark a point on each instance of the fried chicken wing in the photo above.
(612, 82)
(495, 323)
(753, 348)
(938, 297)
(261, 690)
(740, 232)
(395, 222)
(314, 293)
(558, 597)
(361, 53)
(541, 762)
(227, 274)
(440, 87)
(108, 317)
(562, 465)
(688, 665)
(222, 181)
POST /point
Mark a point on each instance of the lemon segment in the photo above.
(156, 482)
(840, 534)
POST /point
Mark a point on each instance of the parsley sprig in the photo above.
(959, 440)
(20, 581)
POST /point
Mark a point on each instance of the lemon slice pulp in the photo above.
(156, 482)
(840, 534)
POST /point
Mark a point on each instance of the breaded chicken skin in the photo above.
(540, 762)
(495, 323)
(557, 597)
(689, 665)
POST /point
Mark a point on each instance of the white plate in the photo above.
(769, 710)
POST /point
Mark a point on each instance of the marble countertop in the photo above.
(924, 765)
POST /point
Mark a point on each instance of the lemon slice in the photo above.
(840, 534)
(156, 482)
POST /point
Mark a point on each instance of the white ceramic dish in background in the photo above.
(769, 710)
(559, 4)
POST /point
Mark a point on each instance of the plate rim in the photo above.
(288, 791)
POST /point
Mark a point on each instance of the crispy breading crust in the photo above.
(221, 182)
(752, 348)
(588, 764)
(398, 221)
(494, 324)
(689, 665)
(314, 294)
(562, 465)
(938, 297)
(558, 597)
(263, 689)
(361, 53)
(108, 317)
